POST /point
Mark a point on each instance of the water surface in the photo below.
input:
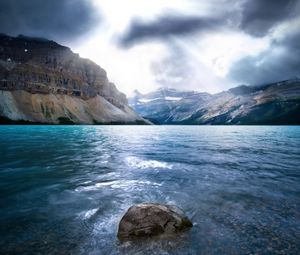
(63, 189)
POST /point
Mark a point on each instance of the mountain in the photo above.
(268, 104)
(44, 82)
(158, 106)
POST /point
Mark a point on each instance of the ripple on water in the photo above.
(64, 189)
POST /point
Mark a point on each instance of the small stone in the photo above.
(150, 219)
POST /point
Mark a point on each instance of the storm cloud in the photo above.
(279, 62)
(62, 20)
(257, 19)
(166, 26)
(259, 16)
(205, 45)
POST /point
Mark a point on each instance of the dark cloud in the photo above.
(281, 61)
(259, 16)
(166, 26)
(61, 20)
(255, 17)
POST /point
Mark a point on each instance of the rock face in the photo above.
(277, 103)
(149, 219)
(42, 81)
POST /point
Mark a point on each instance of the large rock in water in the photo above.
(151, 219)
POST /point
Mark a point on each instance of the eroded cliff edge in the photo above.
(44, 82)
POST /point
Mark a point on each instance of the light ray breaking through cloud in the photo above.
(205, 45)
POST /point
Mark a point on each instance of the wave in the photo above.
(136, 162)
(121, 184)
(88, 214)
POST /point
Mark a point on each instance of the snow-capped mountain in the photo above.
(276, 103)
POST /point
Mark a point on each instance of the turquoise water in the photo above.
(65, 188)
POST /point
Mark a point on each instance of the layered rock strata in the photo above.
(42, 81)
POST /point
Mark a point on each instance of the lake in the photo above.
(64, 189)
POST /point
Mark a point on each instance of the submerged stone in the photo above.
(150, 219)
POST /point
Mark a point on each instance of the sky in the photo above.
(203, 45)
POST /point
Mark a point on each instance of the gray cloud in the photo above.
(54, 19)
(259, 16)
(181, 70)
(255, 17)
(166, 26)
(173, 70)
(281, 61)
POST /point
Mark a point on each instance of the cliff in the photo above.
(44, 82)
(277, 103)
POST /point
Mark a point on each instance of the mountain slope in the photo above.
(44, 82)
(159, 106)
(277, 103)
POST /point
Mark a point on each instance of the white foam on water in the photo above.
(94, 187)
(123, 184)
(88, 214)
(143, 164)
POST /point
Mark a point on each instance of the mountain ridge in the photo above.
(275, 103)
(42, 81)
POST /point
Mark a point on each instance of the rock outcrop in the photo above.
(276, 103)
(44, 82)
(149, 219)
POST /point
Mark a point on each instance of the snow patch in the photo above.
(173, 98)
(146, 100)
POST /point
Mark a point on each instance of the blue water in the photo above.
(63, 189)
